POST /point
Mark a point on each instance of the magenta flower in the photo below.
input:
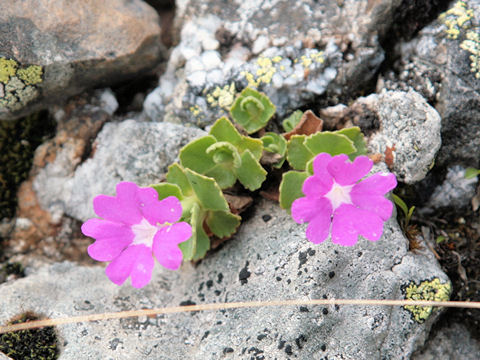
(136, 224)
(337, 201)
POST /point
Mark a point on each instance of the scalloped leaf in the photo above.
(222, 223)
(329, 142)
(166, 189)
(194, 155)
(290, 122)
(223, 152)
(298, 155)
(275, 143)
(176, 175)
(207, 191)
(291, 188)
(252, 110)
(355, 134)
(250, 174)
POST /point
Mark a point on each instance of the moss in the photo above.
(18, 140)
(36, 344)
(432, 290)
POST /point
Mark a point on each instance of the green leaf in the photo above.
(440, 238)
(223, 175)
(471, 172)
(207, 191)
(166, 189)
(223, 152)
(194, 155)
(275, 143)
(356, 135)
(223, 130)
(328, 142)
(291, 188)
(401, 204)
(298, 155)
(252, 110)
(222, 223)
(251, 174)
(176, 175)
(197, 246)
(292, 121)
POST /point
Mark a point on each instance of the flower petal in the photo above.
(101, 229)
(377, 184)
(142, 269)
(122, 208)
(305, 209)
(120, 268)
(320, 165)
(347, 173)
(166, 210)
(349, 222)
(373, 203)
(165, 244)
(319, 228)
(108, 249)
(317, 186)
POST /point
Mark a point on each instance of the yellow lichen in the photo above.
(472, 45)
(222, 97)
(195, 110)
(432, 290)
(31, 75)
(456, 18)
(8, 68)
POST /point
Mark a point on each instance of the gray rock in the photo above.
(442, 63)
(295, 52)
(452, 342)
(411, 125)
(54, 49)
(267, 260)
(455, 191)
(125, 151)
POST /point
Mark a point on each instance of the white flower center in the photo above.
(144, 233)
(339, 195)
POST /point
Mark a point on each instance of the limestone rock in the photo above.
(295, 52)
(443, 64)
(53, 49)
(269, 259)
(124, 151)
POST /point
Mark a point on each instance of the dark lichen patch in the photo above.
(18, 141)
(300, 341)
(35, 344)
(244, 274)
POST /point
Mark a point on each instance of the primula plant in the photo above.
(176, 219)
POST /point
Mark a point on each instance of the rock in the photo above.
(443, 64)
(54, 49)
(409, 131)
(125, 151)
(295, 52)
(450, 342)
(455, 191)
(264, 261)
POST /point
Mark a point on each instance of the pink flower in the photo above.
(136, 224)
(337, 201)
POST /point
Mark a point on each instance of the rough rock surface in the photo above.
(451, 342)
(53, 49)
(409, 127)
(270, 45)
(268, 259)
(443, 64)
(125, 151)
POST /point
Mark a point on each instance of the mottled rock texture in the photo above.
(53, 49)
(269, 259)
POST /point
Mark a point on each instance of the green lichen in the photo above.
(18, 140)
(36, 344)
(472, 45)
(31, 75)
(18, 85)
(456, 19)
(8, 68)
(432, 290)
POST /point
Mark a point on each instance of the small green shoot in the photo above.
(407, 212)
(471, 172)
(252, 110)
